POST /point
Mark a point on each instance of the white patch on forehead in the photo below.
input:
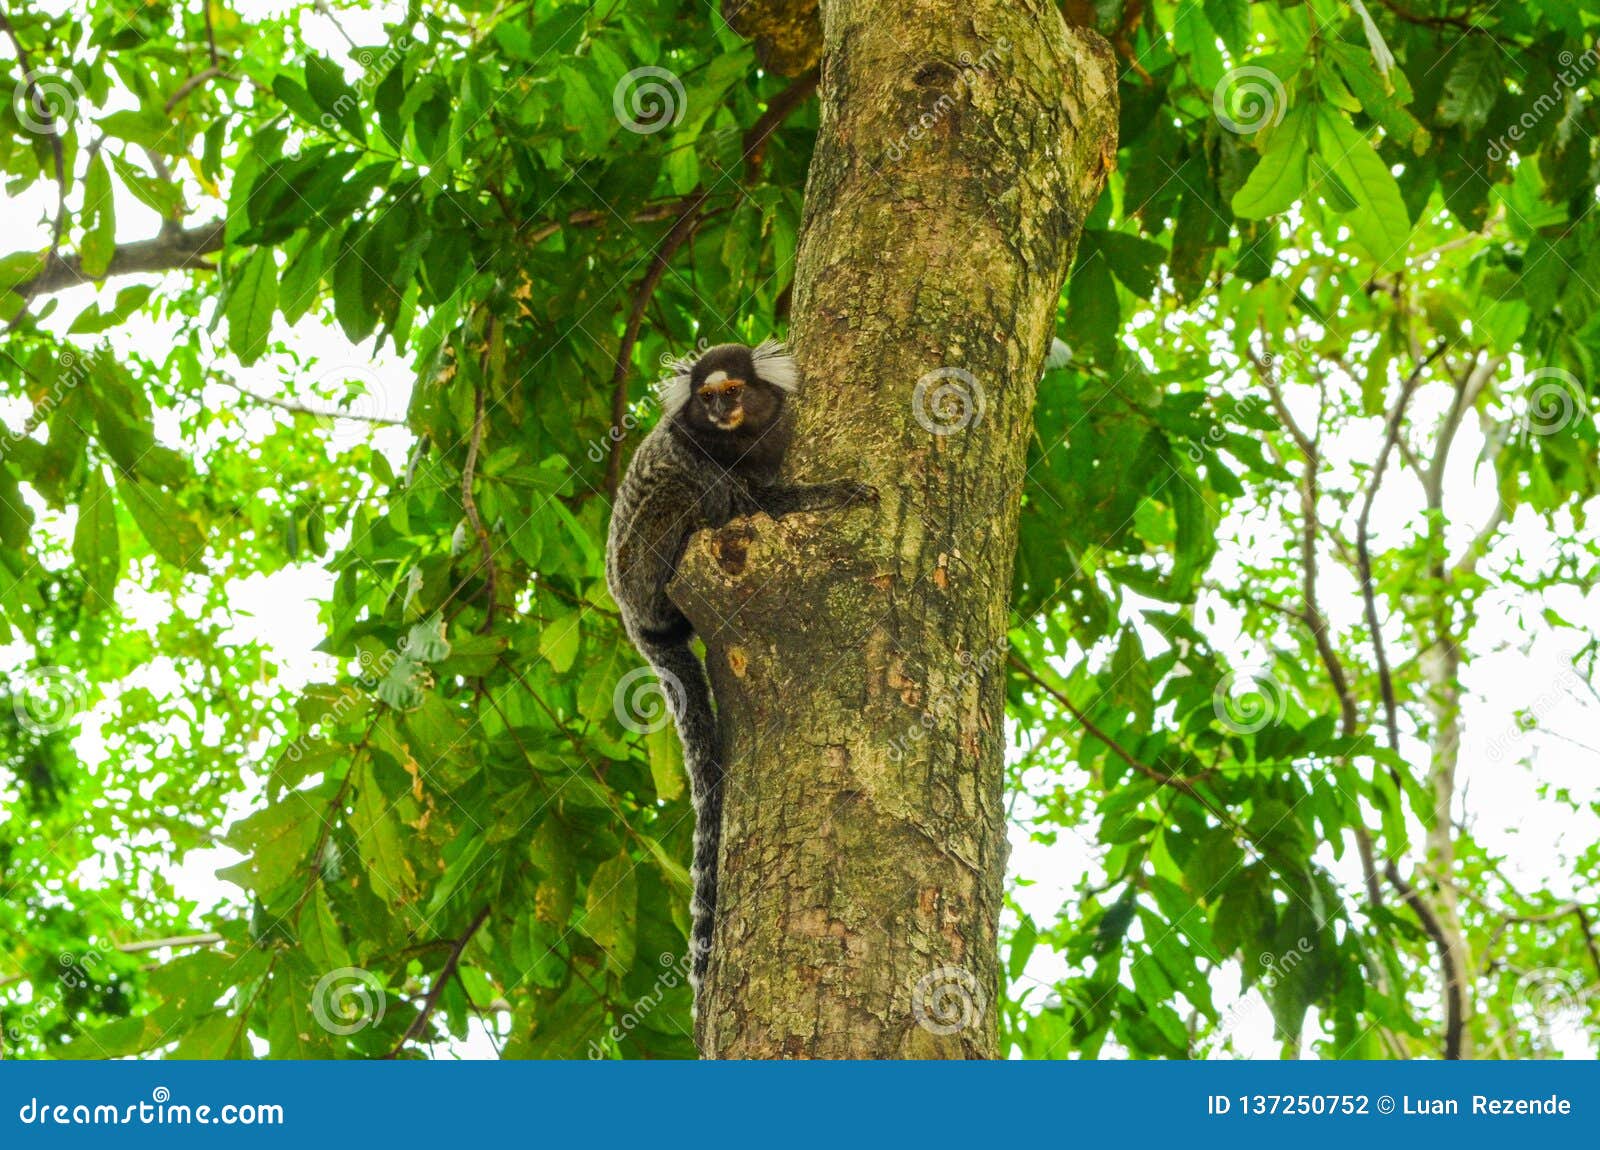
(717, 377)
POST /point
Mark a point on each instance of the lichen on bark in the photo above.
(858, 656)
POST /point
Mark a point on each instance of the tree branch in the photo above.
(176, 250)
(1369, 597)
(1454, 1019)
(779, 109)
(430, 1001)
(682, 228)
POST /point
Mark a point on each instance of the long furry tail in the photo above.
(684, 680)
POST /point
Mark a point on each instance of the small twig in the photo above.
(682, 228)
(1369, 597)
(430, 1001)
(211, 33)
(194, 81)
(468, 477)
(779, 109)
(1454, 1020)
(1183, 783)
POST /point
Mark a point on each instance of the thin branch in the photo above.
(1454, 1020)
(430, 1001)
(469, 474)
(1369, 597)
(192, 82)
(211, 32)
(779, 109)
(1468, 387)
(1572, 908)
(176, 250)
(303, 409)
(1183, 783)
(207, 938)
(682, 228)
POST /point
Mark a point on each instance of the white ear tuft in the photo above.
(673, 390)
(775, 365)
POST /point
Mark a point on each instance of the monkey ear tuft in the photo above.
(673, 389)
(775, 365)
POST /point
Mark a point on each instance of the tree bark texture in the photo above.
(858, 656)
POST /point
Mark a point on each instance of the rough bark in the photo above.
(858, 657)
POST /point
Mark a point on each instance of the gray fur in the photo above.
(687, 476)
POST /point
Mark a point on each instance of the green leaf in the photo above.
(251, 302)
(611, 910)
(1279, 179)
(1472, 86)
(171, 532)
(559, 640)
(165, 197)
(1378, 221)
(277, 839)
(338, 101)
(99, 220)
(1231, 19)
(95, 547)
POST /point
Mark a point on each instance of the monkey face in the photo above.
(728, 394)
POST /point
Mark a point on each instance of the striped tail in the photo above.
(684, 679)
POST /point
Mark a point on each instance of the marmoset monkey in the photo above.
(715, 455)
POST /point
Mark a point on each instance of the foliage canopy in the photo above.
(1344, 249)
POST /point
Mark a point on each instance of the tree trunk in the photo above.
(858, 656)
